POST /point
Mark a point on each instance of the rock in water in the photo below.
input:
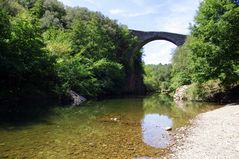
(168, 128)
(77, 99)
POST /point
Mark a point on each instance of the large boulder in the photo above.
(181, 93)
(76, 98)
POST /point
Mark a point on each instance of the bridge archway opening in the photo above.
(135, 78)
(158, 51)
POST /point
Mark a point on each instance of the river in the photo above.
(114, 128)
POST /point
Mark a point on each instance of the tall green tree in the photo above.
(215, 39)
(96, 39)
(37, 8)
(26, 69)
(12, 7)
(52, 13)
(181, 66)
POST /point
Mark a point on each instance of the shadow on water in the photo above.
(17, 116)
(20, 115)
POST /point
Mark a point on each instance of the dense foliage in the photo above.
(181, 66)
(209, 59)
(215, 42)
(157, 77)
(47, 47)
(25, 66)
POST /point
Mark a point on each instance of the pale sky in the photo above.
(147, 15)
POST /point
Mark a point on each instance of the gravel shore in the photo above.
(212, 135)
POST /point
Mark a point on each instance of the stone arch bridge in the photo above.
(146, 37)
(135, 82)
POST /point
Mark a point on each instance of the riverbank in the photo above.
(213, 134)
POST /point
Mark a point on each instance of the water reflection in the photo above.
(153, 130)
(161, 112)
(116, 128)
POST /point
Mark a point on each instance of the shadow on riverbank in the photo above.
(229, 96)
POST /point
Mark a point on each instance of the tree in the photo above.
(26, 69)
(37, 9)
(5, 27)
(157, 77)
(12, 7)
(181, 66)
(110, 76)
(44, 43)
(52, 13)
(5, 33)
(214, 46)
(98, 39)
(75, 74)
(58, 42)
(27, 3)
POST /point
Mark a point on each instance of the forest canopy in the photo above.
(48, 49)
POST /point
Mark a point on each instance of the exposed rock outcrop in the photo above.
(76, 98)
(181, 93)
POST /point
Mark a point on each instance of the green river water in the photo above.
(115, 128)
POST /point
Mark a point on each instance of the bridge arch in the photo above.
(146, 37)
(135, 79)
(158, 51)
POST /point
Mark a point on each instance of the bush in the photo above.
(205, 91)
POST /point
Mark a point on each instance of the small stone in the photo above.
(168, 128)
